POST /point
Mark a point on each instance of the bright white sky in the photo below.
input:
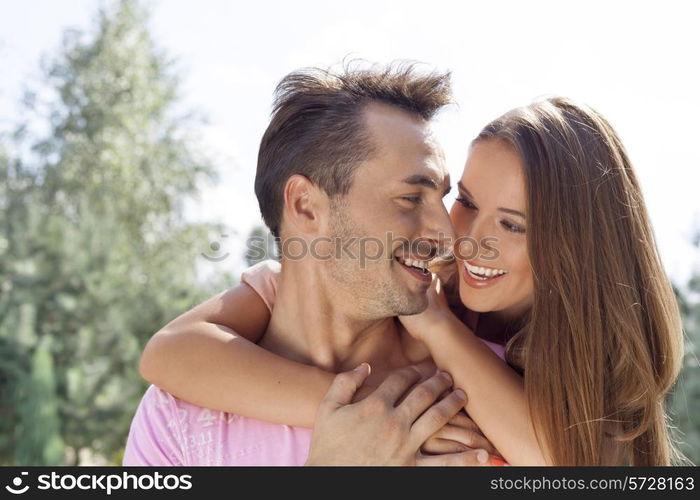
(636, 62)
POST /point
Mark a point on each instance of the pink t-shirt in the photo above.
(169, 431)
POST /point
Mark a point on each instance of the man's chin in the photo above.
(413, 305)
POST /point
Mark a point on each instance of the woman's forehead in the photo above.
(494, 172)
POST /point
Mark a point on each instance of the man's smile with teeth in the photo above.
(483, 273)
(421, 265)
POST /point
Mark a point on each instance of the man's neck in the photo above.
(315, 322)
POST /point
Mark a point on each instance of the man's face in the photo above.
(393, 217)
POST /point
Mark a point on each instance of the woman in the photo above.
(575, 290)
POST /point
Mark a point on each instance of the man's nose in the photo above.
(438, 226)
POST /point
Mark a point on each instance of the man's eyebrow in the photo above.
(421, 180)
(506, 210)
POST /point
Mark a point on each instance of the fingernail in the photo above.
(482, 456)
(361, 367)
(461, 394)
(446, 376)
(498, 461)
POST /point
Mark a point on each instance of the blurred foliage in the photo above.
(684, 400)
(260, 246)
(95, 255)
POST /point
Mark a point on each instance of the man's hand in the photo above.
(389, 426)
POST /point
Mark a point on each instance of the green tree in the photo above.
(95, 254)
(684, 401)
(39, 417)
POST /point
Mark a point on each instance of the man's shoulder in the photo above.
(205, 436)
(154, 437)
(183, 415)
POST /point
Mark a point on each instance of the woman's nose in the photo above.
(472, 234)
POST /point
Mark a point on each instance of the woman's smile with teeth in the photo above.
(483, 273)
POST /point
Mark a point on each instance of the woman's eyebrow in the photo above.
(512, 212)
(506, 210)
(462, 188)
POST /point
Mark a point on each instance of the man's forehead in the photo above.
(432, 141)
(437, 161)
(406, 138)
(427, 171)
(386, 120)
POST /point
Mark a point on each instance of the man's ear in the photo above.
(303, 204)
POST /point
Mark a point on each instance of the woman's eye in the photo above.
(513, 228)
(466, 203)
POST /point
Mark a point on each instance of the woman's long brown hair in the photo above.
(603, 340)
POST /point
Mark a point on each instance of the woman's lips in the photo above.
(480, 277)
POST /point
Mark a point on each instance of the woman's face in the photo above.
(490, 211)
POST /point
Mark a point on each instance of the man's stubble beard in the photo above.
(377, 290)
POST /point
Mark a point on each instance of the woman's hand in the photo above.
(437, 312)
(461, 435)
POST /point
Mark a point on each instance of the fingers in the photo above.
(435, 285)
(469, 438)
(436, 293)
(396, 385)
(426, 369)
(344, 387)
(438, 446)
(423, 395)
(434, 289)
(460, 434)
(463, 420)
(465, 458)
(437, 416)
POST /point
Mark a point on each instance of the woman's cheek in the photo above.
(522, 264)
(461, 220)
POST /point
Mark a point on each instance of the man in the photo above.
(347, 167)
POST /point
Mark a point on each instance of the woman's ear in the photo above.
(302, 204)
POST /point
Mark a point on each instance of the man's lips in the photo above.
(417, 268)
